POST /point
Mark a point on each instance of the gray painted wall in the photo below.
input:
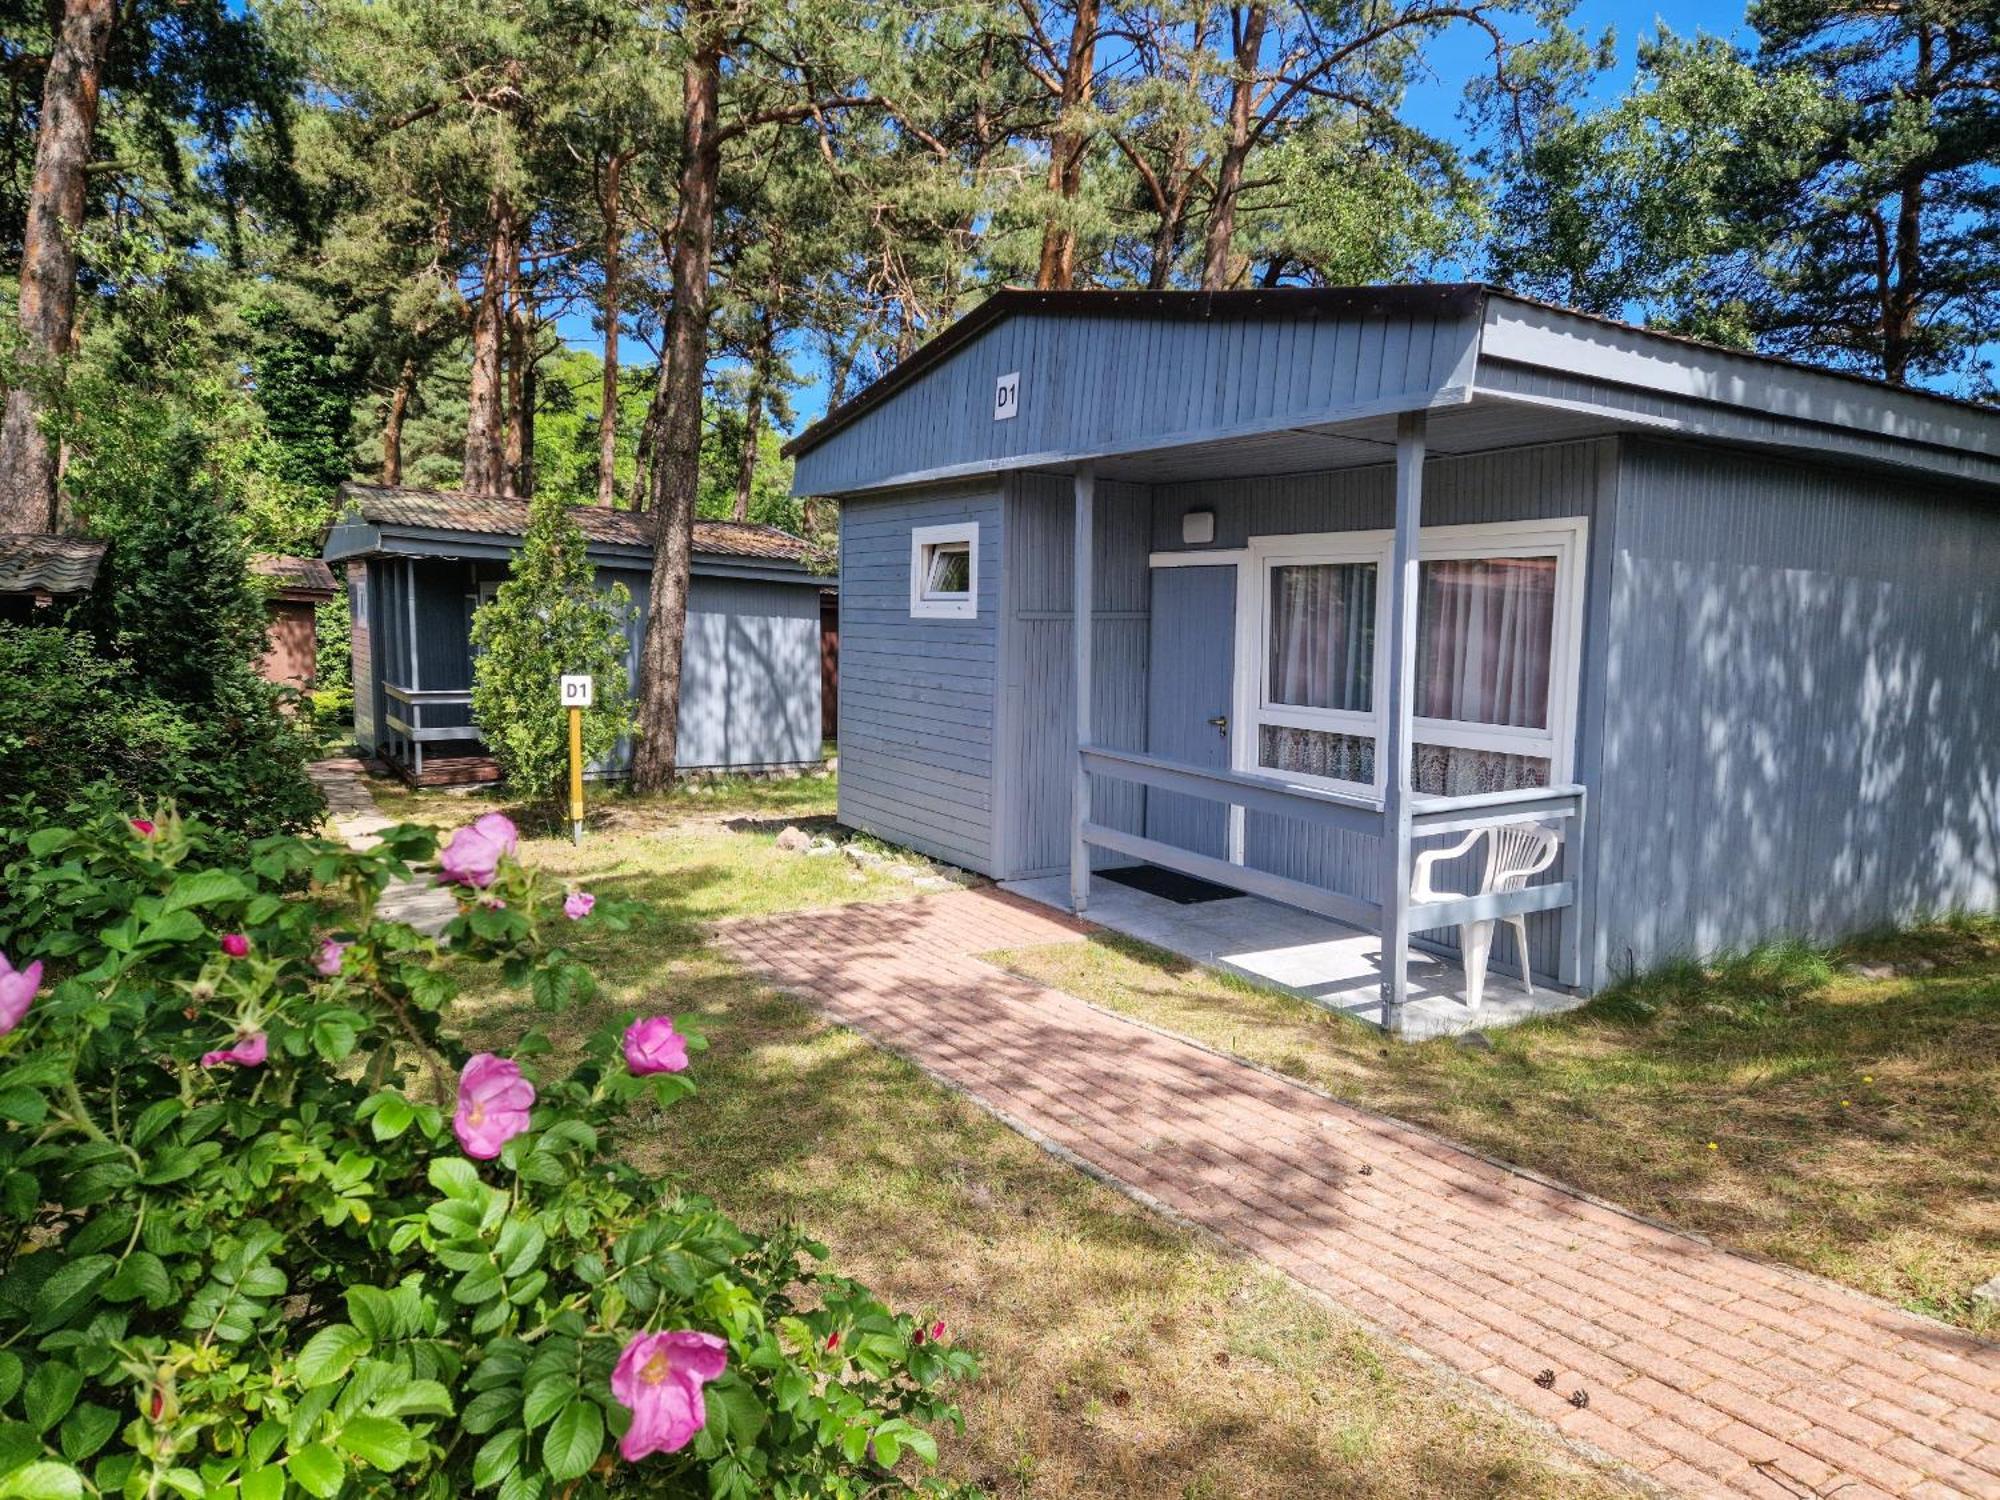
(1038, 711)
(917, 695)
(1802, 706)
(1092, 384)
(750, 685)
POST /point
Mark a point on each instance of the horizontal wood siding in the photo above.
(917, 695)
(1541, 483)
(1802, 707)
(1039, 712)
(1102, 384)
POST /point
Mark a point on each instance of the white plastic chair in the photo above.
(1515, 853)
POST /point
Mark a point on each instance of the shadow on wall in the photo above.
(1803, 728)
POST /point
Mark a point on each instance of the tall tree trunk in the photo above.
(676, 470)
(753, 402)
(484, 457)
(392, 425)
(1217, 259)
(607, 411)
(1900, 290)
(1066, 151)
(48, 257)
(642, 451)
(746, 467)
(515, 449)
(524, 470)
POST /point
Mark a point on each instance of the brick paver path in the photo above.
(1710, 1372)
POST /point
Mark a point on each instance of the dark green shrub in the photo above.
(246, 1257)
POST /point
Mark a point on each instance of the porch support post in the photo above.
(1402, 693)
(416, 713)
(1084, 562)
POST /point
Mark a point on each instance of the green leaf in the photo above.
(87, 1429)
(489, 1409)
(171, 927)
(455, 1177)
(547, 1397)
(46, 841)
(497, 1458)
(263, 1484)
(203, 888)
(574, 1440)
(380, 1442)
(50, 1393)
(330, 1354)
(317, 1470)
(42, 1481)
(10, 1376)
(59, 1298)
(23, 1106)
(142, 1276)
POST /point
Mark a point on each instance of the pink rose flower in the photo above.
(329, 960)
(659, 1379)
(17, 992)
(653, 1046)
(235, 944)
(473, 856)
(577, 905)
(248, 1052)
(144, 827)
(493, 1102)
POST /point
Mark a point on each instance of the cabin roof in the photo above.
(503, 516)
(1151, 386)
(38, 563)
(305, 577)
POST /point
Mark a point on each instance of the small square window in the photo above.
(944, 572)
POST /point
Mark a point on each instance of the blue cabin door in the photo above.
(1190, 686)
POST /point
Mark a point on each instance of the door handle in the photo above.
(1221, 723)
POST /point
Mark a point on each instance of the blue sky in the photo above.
(1433, 107)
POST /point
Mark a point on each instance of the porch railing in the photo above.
(409, 726)
(1429, 816)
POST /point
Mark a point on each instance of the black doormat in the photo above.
(1169, 885)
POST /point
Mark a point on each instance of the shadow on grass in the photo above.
(1122, 1357)
(1854, 1124)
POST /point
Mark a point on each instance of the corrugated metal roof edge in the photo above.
(1466, 297)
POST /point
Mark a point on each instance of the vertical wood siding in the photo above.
(750, 679)
(917, 695)
(1038, 711)
(1104, 384)
(1802, 704)
(750, 686)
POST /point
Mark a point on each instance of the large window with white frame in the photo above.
(1499, 615)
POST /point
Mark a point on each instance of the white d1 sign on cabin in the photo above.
(576, 690)
(1007, 396)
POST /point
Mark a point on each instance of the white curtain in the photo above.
(1484, 627)
(1323, 635)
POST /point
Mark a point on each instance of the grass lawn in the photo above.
(1123, 1357)
(1781, 1104)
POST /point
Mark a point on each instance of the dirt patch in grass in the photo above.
(1122, 1356)
(1838, 1112)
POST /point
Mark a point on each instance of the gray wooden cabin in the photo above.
(419, 562)
(1739, 619)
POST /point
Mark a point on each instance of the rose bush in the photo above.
(269, 1233)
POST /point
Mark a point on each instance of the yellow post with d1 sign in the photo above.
(576, 697)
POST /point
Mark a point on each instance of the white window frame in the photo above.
(1565, 539)
(924, 540)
